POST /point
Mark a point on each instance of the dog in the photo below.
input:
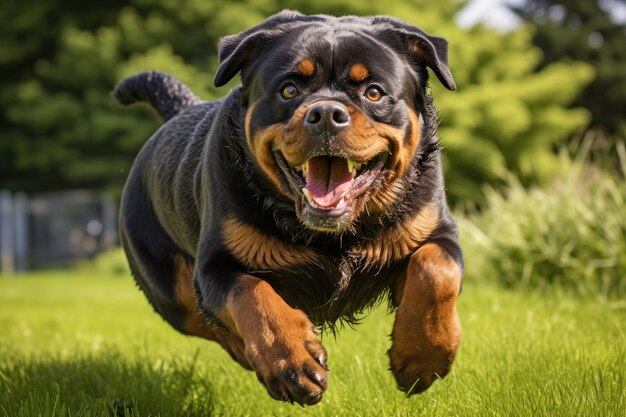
(311, 192)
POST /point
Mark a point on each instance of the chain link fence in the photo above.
(53, 229)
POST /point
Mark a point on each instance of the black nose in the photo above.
(329, 116)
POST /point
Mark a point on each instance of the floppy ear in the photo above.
(235, 51)
(420, 47)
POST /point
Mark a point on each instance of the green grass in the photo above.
(87, 344)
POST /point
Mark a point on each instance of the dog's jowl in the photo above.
(302, 198)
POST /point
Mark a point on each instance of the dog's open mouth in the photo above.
(330, 185)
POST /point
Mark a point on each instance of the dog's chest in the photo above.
(328, 280)
(329, 288)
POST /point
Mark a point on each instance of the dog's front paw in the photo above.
(417, 364)
(423, 349)
(290, 361)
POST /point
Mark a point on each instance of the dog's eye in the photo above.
(289, 91)
(374, 93)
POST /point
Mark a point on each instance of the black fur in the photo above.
(165, 93)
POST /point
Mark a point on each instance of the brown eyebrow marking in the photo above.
(305, 68)
(359, 72)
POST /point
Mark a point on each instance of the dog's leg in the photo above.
(232, 344)
(426, 332)
(280, 341)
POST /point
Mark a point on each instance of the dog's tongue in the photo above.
(328, 180)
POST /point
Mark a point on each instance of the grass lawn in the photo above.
(87, 344)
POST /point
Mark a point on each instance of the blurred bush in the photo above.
(570, 235)
(110, 263)
(61, 129)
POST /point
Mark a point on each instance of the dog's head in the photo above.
(334, 107)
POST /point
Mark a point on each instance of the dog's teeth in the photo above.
(308, 195)
(303, 167)
(353, 167)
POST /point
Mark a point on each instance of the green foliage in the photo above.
(505, 116)
(570, 235)
(584, 30)
(61, 129)
(74, 344)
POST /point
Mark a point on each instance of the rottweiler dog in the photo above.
(309, 193)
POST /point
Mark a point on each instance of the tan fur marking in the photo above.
(426, 333)
(359, 72)
(183, 290)
(364, 140)
(193, 324)
(260, 251)
(405, 151)
(280, 344)
(367, 138)
(305, 68)
(405, 148)
(185, 295)
(403, 239)
(379, 202)
(255, 300)
(432, 262)
(261, 147)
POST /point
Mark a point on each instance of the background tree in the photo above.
(585, 30)
(61, 129)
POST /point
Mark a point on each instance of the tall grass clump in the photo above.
(570, 235)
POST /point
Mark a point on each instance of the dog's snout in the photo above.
(327, 116)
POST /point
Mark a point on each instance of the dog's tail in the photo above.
(164, 92)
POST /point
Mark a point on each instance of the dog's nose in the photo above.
(329, 116)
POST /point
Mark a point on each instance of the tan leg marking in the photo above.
(193, 323)
(426, 332)
(280, 342)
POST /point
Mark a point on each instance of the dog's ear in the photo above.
(235, 51)
(422, 48)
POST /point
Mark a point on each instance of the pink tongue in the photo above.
(328, 180)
